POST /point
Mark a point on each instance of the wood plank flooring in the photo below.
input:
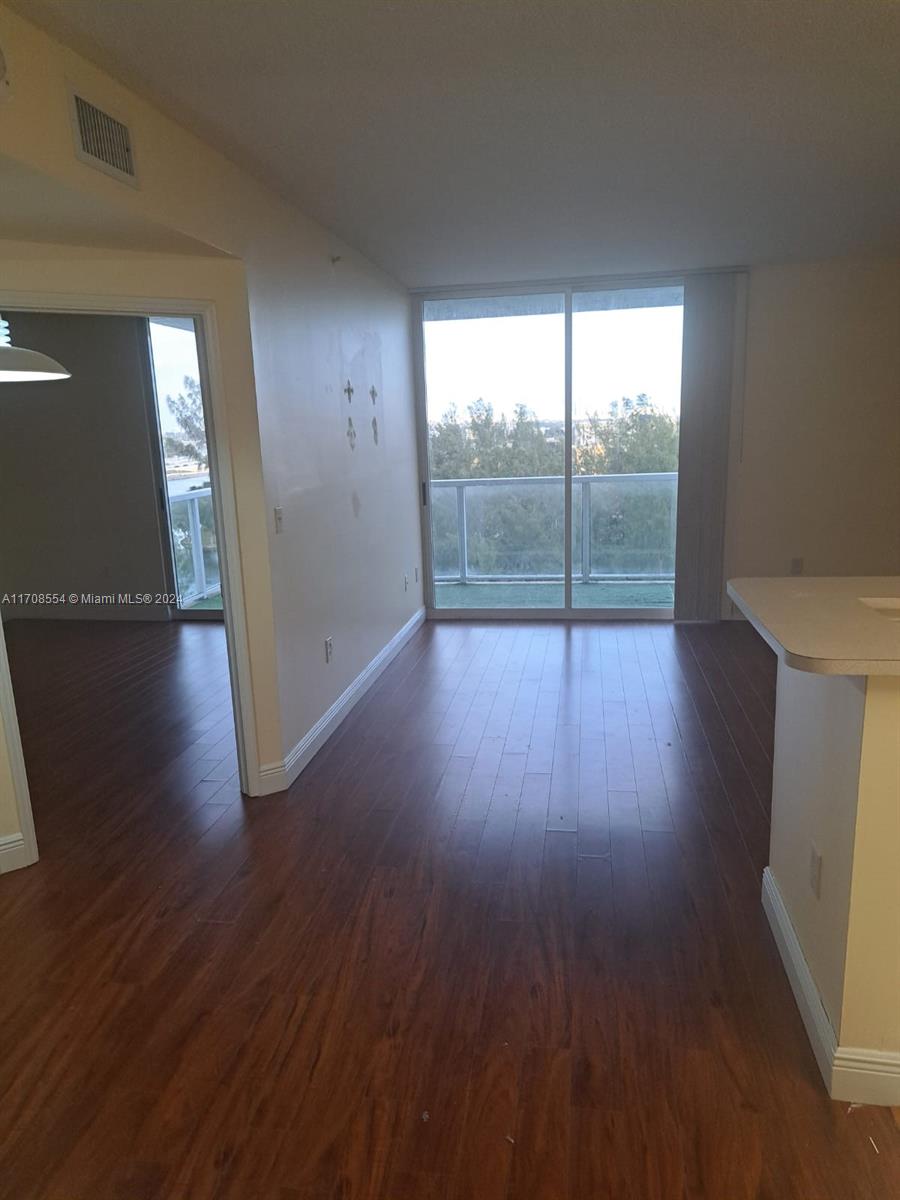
(501, 941)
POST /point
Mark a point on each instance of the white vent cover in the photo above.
(102, 141)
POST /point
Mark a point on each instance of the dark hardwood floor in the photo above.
(503, 938)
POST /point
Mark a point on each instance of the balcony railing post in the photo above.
(462, 532)
(197, 546)
(585, 531)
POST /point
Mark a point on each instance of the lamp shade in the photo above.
(18, 366)
(22, 366)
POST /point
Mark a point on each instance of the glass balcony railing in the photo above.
(196, 552)
(506, 532)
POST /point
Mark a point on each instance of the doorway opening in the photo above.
(552, 451)
(143, 710)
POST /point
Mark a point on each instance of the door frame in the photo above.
(225, 508)
(567, 288)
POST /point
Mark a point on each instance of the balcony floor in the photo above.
(606, 594)
(211, 602)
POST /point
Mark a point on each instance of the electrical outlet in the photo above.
(815, 871)
(796, 566)
(279, 518)
(329, 649)
(406, 583)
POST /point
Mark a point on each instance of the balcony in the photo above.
(195, 550)
(499, 543)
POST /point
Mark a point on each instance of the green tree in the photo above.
(519, 529)
(488, 438)
(534, 449)
(187, 409)
(635, 440)
(488, 447)
(448, 447)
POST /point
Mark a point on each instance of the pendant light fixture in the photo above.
(22, 366)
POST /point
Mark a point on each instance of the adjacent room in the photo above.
(449, 592)
(109, 551)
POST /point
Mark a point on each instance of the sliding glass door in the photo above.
(626, 395)
(496, 418)
(188, 488)
(531, 399)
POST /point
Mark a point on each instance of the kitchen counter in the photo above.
(838, 626)
(831, 890)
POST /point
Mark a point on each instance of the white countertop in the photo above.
(823, 625)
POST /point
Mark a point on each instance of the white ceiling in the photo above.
(488, 140)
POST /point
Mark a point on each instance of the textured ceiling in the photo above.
(486, 141)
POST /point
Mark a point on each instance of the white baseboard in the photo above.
(851, 1073)
(275, 777)
(815, 1018)
(866, 1076)
(15, 853)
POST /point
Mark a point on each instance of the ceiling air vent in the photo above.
(102, 141)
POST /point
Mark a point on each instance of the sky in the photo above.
(508, 360)
(174, 356)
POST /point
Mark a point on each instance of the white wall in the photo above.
(815, 463)
(837, 788)
(815, 803)
(351, 517)
(79, 505)
(871, 1011)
